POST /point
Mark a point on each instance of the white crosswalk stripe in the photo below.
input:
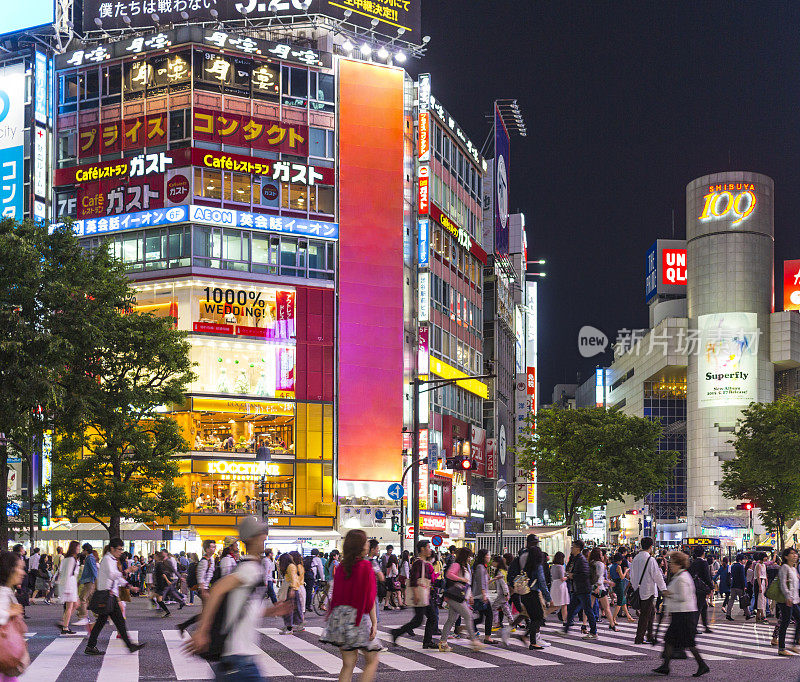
(452, 658)
(631, 635)
(508, 655)
(118, 662)
(555, 650)
(51, 662)
(186, 666)
(312, 653)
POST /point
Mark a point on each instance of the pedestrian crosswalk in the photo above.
(301, 655)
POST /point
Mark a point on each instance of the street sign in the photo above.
(379, 514)
(436, 540)
(433, 456)
(396, 491)
(703, 542)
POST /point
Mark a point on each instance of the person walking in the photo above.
(531, 561)
(789, 583)
(680, 600)
(167, 582)
(86, 583)
(619, 577)
(457, 597)
(392, 584)
(559, 591)
(578, 572)
(646, 577)
(501, 604)
(291, 591)
(760, 587)
(405, 570)
(12, 573)
(238, 590)
(723, 579)
(600, 585)
(68, 585)
(352, 621)
(701, 575)
(738, 589)
(268, 565)
(480, 593)
(230, 556)
(205, 576)
(109, 580)
(421, 577)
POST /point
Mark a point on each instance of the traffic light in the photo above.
(395, 520)
(459, 463)
(44, 518)
(745, 506)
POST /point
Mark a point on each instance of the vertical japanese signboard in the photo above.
(12, 137)
(502, 159)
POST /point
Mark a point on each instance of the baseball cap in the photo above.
(249, 527)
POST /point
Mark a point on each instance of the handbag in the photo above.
(102, 602)
(124, 593)
(634, 597)
(419, 595)
(456, 593)
(774, 592)
(521, 584)
(744, 602)
(14, 658)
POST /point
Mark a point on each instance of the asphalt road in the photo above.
(734, 651)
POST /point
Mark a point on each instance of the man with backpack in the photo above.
(526, 578)
(167, 581)
(227, 630)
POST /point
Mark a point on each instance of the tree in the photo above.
(589, 456)
(53, 292)
(766, 468)
(115, 458)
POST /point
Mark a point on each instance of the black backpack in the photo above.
(218, 634)
(191, 575)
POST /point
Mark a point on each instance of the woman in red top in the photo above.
(354, 592)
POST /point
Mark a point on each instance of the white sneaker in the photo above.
(542, 642)
(504, 635)
(82, 621)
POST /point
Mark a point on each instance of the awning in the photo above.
(96, 531)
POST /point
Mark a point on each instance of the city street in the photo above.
(734, 650)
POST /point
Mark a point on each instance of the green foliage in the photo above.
(766, 469)
(115, 456)
(592, 455)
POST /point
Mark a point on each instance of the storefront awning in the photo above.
(95, 531)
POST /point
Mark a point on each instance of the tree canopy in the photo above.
(766, 468)
(589, 456)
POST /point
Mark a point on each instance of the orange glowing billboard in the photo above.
(370, 272)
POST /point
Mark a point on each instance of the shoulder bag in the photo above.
(14, 658)
(456, 592)
(775, 592)
(634, 598)
(102, 602)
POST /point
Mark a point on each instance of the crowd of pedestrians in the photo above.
(513, 596)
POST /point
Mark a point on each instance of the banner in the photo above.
(502, 161)
(728, 361)
(12, 140)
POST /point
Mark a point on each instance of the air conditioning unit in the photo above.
(488, 528)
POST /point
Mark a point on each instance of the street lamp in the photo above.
(500, 509)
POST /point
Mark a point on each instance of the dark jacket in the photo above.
(699, 569)
(163, 574)
(581, 581)
(738, 577)
(724, 578)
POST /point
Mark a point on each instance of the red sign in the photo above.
(791, 285)
(423, 196)
(280, 171)
(245, 131)
(109, 170)
(478, 449)
(425, 135)
(115, 197)
(433, 521)
(212, 328)
(114, 136)
(673, 266)
(491, 458)
(177, 189)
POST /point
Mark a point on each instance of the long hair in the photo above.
(8, 562)
(480, 557)
(462, 558)
(72, 550)
(333, 556)
(534, 561)
(283, 562)
(596, 555)
(558, 559)
(353, 547)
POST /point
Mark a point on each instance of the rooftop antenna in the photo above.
(673, 223)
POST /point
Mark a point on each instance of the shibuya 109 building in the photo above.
(714, 344)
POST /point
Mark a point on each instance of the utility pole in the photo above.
(415, 381)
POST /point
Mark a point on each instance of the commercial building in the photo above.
(714, 346)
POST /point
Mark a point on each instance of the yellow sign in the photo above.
(242, 406)
(445, 371)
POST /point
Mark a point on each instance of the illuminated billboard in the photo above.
(666, 269)
(791, 285)
(502, 163)
(12, 139)
(389, 15)
(21, 16)
(728, 360)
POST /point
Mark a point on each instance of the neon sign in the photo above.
(243, 468)
(721, 201)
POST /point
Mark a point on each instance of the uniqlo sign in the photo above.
(673, 266)
(791, 285)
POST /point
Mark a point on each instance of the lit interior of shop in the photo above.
(242, 433)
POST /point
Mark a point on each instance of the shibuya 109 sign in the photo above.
(733, 200)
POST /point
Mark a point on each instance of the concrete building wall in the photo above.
(730, 270)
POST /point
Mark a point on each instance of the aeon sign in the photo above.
(731, 199)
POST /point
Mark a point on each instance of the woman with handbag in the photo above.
(458, 597)
(105, 602)
(68, 585)
(13, 649)
(352, 621)
(392, 584)
(418, 594)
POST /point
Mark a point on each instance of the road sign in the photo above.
(379, 515)
(436, 540)
(433, 456)
(396, 491)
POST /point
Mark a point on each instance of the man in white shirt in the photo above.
(228, 562)
(268, 564)
(243, 611)
(646, 576)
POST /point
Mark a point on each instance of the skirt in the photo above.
(343, 632)
(682, 629)
(559, 593)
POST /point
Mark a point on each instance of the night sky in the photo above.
(625, 104)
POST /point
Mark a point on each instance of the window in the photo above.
(325, 199)
(111, 84)
(321, 143)
(295, 86)
(322, 91)
(68, 93)
(288, 255)
(66, 148)
(207, 246)
(212, 184)
(239, 189)
(178, 130)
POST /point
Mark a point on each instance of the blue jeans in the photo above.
(238, 668)
(577, 602)
(271, 592)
